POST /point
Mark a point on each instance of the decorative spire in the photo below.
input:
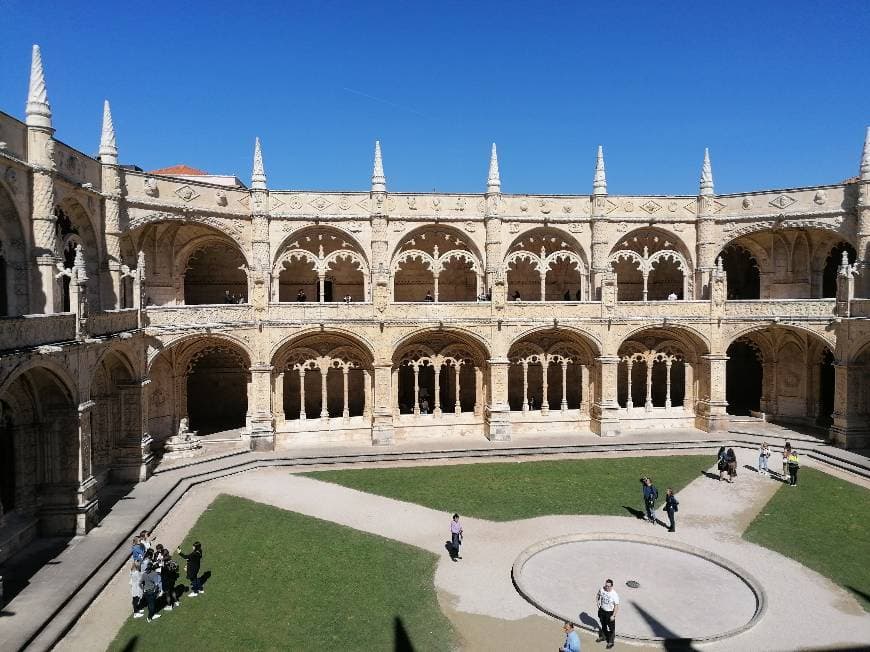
(379, 181)
(258, 176)
(38, 110)
(599, 183)
(108, 146)
(706, 175)
(865, 158)
(493, 181)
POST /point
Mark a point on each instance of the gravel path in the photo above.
(478, 594)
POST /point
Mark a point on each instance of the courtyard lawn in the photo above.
(284, 581)
(823, 524)
(507, 491)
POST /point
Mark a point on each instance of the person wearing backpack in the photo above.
(650, 496)
(169, 576)
(150, 579)
(672, 505)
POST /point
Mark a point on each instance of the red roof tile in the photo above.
(182, 169)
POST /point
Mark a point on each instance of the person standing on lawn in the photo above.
(794, 464)
(608, 606)
(194, 559)
(150, 579)
(671, 507)
(572, 640)
(169, 576)
(455, 537)
(650, 496)
(785, 453)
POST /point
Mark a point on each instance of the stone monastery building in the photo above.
(488, 315)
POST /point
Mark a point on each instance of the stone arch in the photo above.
(326, 263)
(742, 268)
(548, 264)
(832, 265)
(112, 386)
(432, 256)
(322, 374)
(652, 265)
(213, 267)
(14, 294)
(551, 373)
(43, 462)
(74, 227)
(438, 373)
(793, 380)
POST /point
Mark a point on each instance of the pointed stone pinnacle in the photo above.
(108, 146)
(38, 109)
(865, 158)
(706, 175)
(258, 175)
(493, 180)
(599, 183)
(379, 181)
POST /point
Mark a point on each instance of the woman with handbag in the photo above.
(721, 464)
(671, 507)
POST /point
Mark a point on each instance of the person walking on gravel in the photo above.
(572, 640)
(608, 607)
(731, 459)
(671, 507)
(763, 457)
(721, 463)
(455, 537)
(194, 559)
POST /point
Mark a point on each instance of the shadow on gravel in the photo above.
(589, 621)
(637, 513)
(673, 642)
(712, 476)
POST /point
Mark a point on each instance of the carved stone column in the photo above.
(47, 296)
(492, 248)
(714, 415)
(599, 246)
(278, 398)
(86, 492)
(850, 428)
(706, 247)
(605, 409)
(382, 414)
(380, 254)
(262, 429)
(135, 459)
(862, 239)
(498, 411)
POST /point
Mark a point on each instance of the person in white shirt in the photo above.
(763, 457)
(672, 296)
(608, 606)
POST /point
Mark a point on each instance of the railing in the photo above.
(860, 308)
(814, 308)
(113, 321)
(34, 330)
(199, 316)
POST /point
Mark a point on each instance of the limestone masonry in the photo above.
(147, 305)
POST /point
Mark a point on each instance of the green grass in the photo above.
(284, 581)
(511, 490)
(824, 523)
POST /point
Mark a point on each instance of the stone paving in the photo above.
(42, 613)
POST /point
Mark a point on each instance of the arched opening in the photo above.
(215, 274)
(326, 377)
(112, 389)
(8, 462)
(317, 261)
(546, 264)
(438, 376)
(832, 266)
(13, 267)
(436, 263)
(74, 228)
(651, 265)
(217, 395)
(743, 378)
(741, 268)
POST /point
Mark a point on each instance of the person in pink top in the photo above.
(455, 538)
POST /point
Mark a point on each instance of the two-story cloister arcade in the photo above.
(785, 264)
(652, 265)
(546, 264)
(437, 263)
(320, 264)
(786, 373)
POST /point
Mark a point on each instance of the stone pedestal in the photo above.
(181, 445)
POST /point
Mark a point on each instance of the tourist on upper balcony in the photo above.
(577, 295)
(482, 297)
(347, 298)
(567, 296)
(300, 296)
(228, 298)
(672, 296)
(517, 295)
(429, 296)
(489, 294)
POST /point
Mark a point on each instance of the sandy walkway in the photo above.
(478, 594)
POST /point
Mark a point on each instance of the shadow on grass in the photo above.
(131, 644)
(673, 642)
(401, 640)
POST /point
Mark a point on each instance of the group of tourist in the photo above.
(154, 573)
(726, 462)
(651, 495)
(233, 298)
(607, 600)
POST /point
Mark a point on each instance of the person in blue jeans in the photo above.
(650, 496)
(572, 640)
(194, 560)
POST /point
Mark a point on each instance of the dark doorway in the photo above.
(217, 394)
(743, 376)
(744, 281)
(832, 265)
(7, 459)
(826, 390)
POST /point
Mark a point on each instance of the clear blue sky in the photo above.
(778, 90)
